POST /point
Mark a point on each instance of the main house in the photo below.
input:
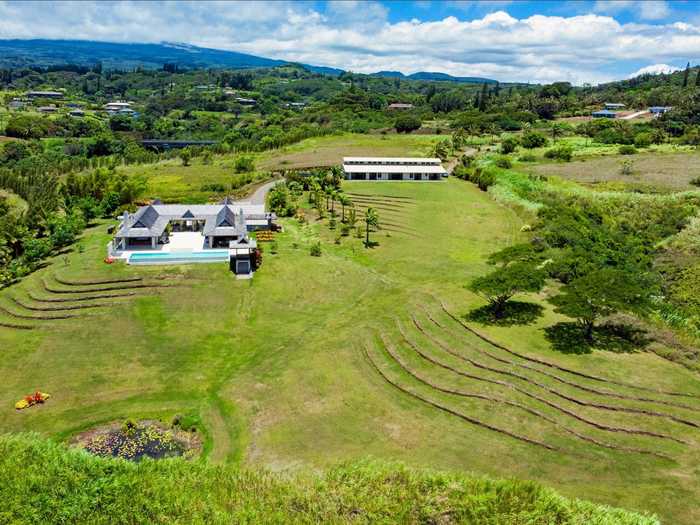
(393, 168)
(219, 224)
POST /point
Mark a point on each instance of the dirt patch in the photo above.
(137, 440)
(664, 172)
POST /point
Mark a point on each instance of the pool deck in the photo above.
(180, 242)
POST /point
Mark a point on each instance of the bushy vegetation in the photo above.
(73, 487)
(601, 247)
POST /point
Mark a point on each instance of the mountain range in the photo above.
(112, 55)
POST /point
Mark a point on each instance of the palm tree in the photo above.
(352, 215)
(371, 219)
(344, 201)
(334, 196)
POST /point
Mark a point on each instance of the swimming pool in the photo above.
(179, 257)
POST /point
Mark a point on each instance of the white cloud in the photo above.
(644, 9)
(359, 37)
(654, 10)
(654, 69)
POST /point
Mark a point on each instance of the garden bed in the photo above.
(135, 440)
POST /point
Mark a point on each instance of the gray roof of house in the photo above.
(220, 219)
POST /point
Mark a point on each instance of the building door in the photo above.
(242, 266)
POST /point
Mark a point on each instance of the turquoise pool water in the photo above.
(181, 257)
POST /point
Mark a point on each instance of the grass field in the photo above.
(68, 487)
(357, 353)
(171, 181)
(653, 170)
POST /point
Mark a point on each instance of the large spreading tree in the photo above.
(499, 286)
(603, 292)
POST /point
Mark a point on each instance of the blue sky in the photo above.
(580, 42)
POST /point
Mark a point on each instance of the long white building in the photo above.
(393, 168)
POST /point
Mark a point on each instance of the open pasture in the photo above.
(356, 353)
(199, 183)
(654, 171)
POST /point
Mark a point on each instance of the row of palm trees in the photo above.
(334, 194)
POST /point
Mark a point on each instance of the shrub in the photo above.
(627, 167)
(504, 162)
(315, 250)
(213, 186)
(407, 123)
(527, 157)
(467, 160)
(627, 149)
(643, 140)
(695, 181)
(563, 152)
(36, 249)
(533, 139)
(691, 137)
(483, 178)
(243, 164)
(509, 145)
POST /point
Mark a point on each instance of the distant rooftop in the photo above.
(44, 94)
(403, 168)
(384, 161)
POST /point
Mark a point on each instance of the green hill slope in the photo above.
(43, 482)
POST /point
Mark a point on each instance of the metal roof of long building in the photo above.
(391, 159)
(405, 168)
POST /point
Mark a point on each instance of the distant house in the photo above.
(76, 113)
(128, 112)
(47, 109)
(604, 113)
(393, 168)
(398, 105)
(246, 101)
(614, 105)
(45, 94)
(296, 105)
(159, 144)
(659, 110)
(116, 106)
(16, 103)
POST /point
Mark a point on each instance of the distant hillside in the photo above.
(43, 482)
(19, 53)
(113, 55)
(429, 75)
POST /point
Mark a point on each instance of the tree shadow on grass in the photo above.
(514, 313)
(569, 338)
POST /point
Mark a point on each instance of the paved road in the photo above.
(634, 115)
(260, 193)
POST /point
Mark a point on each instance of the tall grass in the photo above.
(43, 482)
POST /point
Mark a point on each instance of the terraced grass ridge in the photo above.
(71, 486)
(359, 353)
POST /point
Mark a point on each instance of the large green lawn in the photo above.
(171, 181)
(276, 367)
